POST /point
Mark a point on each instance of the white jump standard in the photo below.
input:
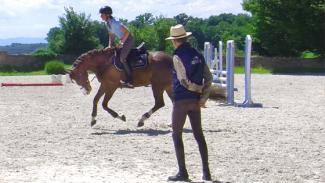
(225, 78)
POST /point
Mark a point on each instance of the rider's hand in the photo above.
(107, 48)
(120, 45)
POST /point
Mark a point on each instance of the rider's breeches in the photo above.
(127, 46)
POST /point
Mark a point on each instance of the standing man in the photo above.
(117, 29)
(189, 95)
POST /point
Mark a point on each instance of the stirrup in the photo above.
(126, 84)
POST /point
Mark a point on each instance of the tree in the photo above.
(162, 28)
(101, 32)
(288, 27)
(143, 20)
(198, 27)
(145, 34)
(55, 39)
(79, 33)
(182, 19)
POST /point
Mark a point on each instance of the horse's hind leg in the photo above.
(99, 94)
(158, 92)
(169, 91)
(107, 97)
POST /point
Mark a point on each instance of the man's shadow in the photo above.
(213, 181)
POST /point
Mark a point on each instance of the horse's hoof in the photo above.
(123, 118)
(140, 123)
(93, 122)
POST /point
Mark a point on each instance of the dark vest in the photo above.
(193, 62)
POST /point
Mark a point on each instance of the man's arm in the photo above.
(181, 76)
(207, 76)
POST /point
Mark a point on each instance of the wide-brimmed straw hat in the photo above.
(178, 31)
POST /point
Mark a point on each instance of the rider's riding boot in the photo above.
(127, 70)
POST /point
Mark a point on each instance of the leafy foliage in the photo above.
(101, 32)
(162, 26)
(45, 54)
(79, 34)
(76, 34)
(278, 27)
(55, 39)
(287, 28)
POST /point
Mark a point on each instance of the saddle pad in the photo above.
(139, 63)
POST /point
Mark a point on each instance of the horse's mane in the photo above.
(83, 56)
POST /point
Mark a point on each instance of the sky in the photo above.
(34, 18)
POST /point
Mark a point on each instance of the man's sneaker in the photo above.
(206, 176)
(179, 177)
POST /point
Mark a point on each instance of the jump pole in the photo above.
(31, 84)
(56, 81)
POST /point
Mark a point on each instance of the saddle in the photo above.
(137, 58)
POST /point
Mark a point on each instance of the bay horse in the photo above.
(158, 74)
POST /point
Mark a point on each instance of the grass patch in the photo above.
(299, 71)
(309, 55)
(257, 70)
(15, 73)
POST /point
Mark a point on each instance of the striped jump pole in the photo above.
(248, 102)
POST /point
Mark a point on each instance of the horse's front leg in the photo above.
(107, 97)
(99, 94)
(159, 103)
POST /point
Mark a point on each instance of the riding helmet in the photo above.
(106, 10)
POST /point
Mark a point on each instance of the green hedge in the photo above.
(54, 67)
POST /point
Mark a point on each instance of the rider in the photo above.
(117, 29)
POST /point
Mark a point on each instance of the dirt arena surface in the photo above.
(45, 135)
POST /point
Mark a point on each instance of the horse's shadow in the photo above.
(148, 131)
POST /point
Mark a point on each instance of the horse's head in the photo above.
(81, 78)
(89, 61)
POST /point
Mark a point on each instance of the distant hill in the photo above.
(18, 48)
(22, 40)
